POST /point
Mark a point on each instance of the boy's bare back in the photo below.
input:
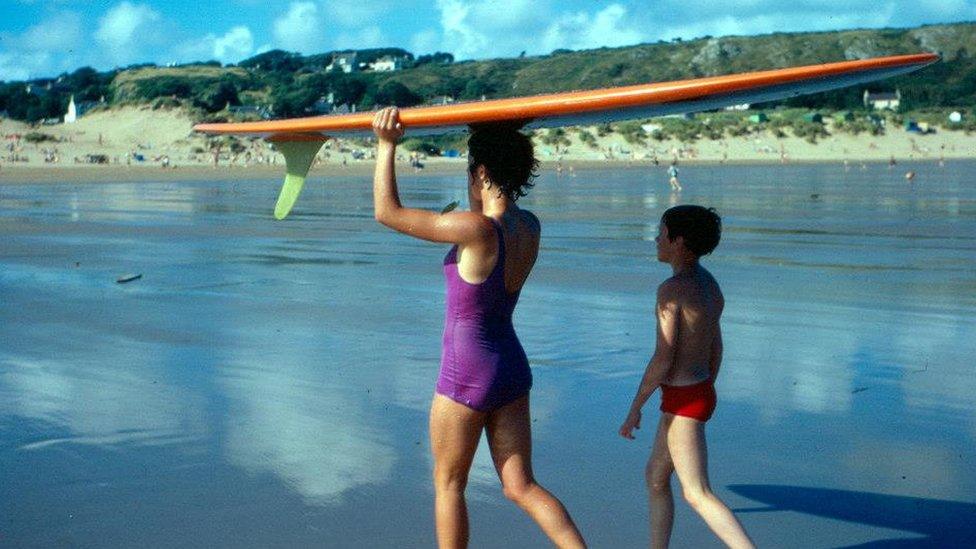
(694, 299)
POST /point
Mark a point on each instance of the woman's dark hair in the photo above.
(507, 156)
(700, 227)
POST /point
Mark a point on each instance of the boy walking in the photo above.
(686, 361)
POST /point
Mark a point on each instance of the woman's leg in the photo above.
(510, 439)
(454, 433)
(686, 441)
(658, 476)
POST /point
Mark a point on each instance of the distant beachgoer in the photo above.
(892, 162)
(484, 379)
(673, 177)
(685, 367)
(910, 175)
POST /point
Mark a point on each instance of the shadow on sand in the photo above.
(941, 523)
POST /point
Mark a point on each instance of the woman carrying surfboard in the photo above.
(484, 378)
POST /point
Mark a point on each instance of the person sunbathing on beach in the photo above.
(685, 363)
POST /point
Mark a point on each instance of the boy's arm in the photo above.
(659, 366)
(716, 359)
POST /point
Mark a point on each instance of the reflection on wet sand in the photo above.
(118, 401)
(290, 422)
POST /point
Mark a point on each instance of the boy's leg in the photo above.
(686, 442)
(658, 476)
(510, 440)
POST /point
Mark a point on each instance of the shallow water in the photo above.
(267, 383)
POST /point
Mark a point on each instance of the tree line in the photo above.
(289, 84)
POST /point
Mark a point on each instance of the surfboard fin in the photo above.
(299, 154)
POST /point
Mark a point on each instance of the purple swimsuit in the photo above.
(483, 365)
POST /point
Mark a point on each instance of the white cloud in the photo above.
(300, 29)
(235, 45)
(426, 41)
(460, 36)
(368, 37)
(356, 13)
(51, 46)
(610, 27)
(511, 14)
(507, 27)
(15, 67)
(124, 30)
(63, 32)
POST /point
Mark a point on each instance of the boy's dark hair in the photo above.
(701, 227)
(507, 156)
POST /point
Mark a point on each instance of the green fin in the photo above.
(298, 160)
(450, 207)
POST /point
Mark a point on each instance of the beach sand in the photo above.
(170, 150)
(267, 383)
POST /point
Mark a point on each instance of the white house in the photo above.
(344, 61)
(441, 100)
(388, 63)
(71, 116)
(882, 100)
(77, 110)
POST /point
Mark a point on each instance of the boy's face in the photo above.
(664, 244)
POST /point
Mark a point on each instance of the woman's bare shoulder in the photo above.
(530, 220)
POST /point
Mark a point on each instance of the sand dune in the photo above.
(139, 137)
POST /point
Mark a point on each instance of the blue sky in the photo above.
(46, 37)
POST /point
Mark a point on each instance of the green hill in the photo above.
(290, 84)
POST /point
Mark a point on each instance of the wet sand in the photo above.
(266, 383)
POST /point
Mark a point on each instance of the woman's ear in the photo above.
(481, 174)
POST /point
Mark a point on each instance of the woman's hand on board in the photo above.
(387, 126)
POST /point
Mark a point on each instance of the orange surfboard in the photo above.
(299, 139)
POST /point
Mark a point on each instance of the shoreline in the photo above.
(94, 174)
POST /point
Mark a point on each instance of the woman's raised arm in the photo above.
(454, 227)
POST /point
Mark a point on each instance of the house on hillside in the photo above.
(388, 63)
(346, 62)
(39, 88)
(249, 110)
(441, 100)
(77, 110)
(739, 107)
(882, 100)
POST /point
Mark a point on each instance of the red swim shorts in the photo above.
(695, 401)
